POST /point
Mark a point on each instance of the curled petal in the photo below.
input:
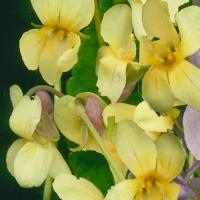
(24, 123)
(16, 95)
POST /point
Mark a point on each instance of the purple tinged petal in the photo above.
(94, 111)
(186, 192)
(191, 124)
(126, 93)
(46, 101)
(195, 58)
(195, 185)
(196, 2)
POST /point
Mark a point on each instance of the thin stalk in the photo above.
(47, 88)
(97, 19)
(179, 127)
(47, 189)
(116, 171)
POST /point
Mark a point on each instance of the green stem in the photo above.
(179, 127)
(116, 171)
(97, 19)
(47, 189)
(47, 88)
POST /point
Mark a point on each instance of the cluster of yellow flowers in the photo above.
(142, 140)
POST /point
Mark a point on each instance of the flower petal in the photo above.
(48, 11)
(69, 187)
(32, 164)
(76, 14)
(119, 34)
(124, 190)
(70, 57)
(120, 111)
(171, 190)
(16, 94)
(137, 6)
(185, 83)
(58, 165)
(24, 123)
(166, 32)
(191, 119)
(12, 153)
(146, 118)
(156, 90)
(58, 55)
(170, 156)
(111, 73)
(135, 148)
(67, 118)
(31, 45)
(188, 20)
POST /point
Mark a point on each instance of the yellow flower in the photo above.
(170, 75)
(31, 159)
(137, 6)
(74, 128)
(54, 47)
(154, 165)
(112, 60)
(143, 115)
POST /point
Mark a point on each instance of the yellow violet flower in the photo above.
(170, 76)
(143, 115)
(28, 160)
(112, 60)
(154, 165)
(74, 128)
(54, 47)
(137, 6)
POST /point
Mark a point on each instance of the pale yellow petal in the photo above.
(119, 34)
(120, 111)
(31, 45)
(25, 117)
(12, 153)
(32, 164)
(111, 73)
(171, 190)
(156, 90)
(68, 119)
(58, 164)
(48, 11)
(124, 190)
(138, 27)
(162, 28)
(173, 6)
(70, 57)
(146, 118)
(170, 156)
(76, 14)
(68, 187)
(154, 193)
(16, 94)
(135, 148)
(188, 20)
(185, 83)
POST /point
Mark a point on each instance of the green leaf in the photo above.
(104, 5)
(92, 166)
(83, 73)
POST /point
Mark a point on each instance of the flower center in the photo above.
(148, 184)
(171, 57)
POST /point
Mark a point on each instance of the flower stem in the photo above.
(97, 19)
(116, 171)
(47, 189)
(47, 88)
(179, 127)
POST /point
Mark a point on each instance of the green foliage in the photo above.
(92, 166)
(83, 74)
